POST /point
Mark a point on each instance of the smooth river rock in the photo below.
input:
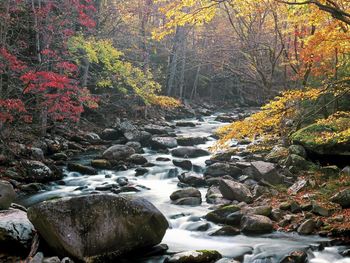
(98, 227)
(118, 152)
(189, 152)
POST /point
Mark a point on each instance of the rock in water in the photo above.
(189, 152)
(197, 256)
(118, 152)
(221, 169)
(98, 227)
(188, 196)
(158, 143)
(16, 231)
(7, 195)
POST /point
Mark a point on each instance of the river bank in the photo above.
(169, 164)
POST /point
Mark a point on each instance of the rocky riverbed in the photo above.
(130, 187)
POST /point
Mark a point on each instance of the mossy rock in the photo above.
(309, 137)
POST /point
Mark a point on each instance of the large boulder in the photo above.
(256, 224)
(266, 171)
(342, 198)
(221, 169)
(118, 152)
(7, 195)
(189, 152)
(309, 136)
(98, 227)
(16, 231)
(158, 143)
(232, 190)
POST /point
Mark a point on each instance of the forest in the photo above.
(180, 131)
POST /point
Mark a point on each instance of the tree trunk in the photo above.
(182, 70)
(195, 84)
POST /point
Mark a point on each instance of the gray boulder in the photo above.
(223, 215)
(190, 141)
(221, 169)
(266, 171)
(232, 190)
(118, 152)
(37, 171)
(184, 164)
(188, 196)
(158, 143)
(137, 159)
(110, 134)
(189, 152)
(187, 192)
(98, 227)
(192, 179)
(7, 195)
(342, 198)
(80, 168)
(16, 231)
(256, 224)
(157, 129)
(307, 227)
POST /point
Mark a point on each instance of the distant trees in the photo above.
(54, 54)
(299, 47)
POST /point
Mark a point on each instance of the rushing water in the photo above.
(257, 249)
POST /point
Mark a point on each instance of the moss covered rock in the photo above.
(323, 139)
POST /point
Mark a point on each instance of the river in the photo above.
(158, 184)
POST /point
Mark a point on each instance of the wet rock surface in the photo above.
(115, 225)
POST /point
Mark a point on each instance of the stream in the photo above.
(158, 184)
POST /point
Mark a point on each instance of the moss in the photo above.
(308, 135)
(325, 138)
